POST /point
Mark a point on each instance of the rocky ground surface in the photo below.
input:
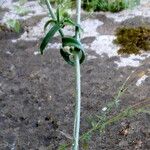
(37, 92)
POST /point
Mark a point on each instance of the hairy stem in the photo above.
(75, 145)
(78, 11)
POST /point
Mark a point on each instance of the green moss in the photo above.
(109, 5)
(3, 28)
(133, 40)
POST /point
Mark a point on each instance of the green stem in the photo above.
(48, 4)
(75, 145)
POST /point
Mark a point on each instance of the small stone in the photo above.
(8, 52)
(104, 108)
(36, 53)
(123, 143)
(42, 148)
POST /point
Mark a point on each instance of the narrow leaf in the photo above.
(52, 21)
(58, 14)
(66, 57)
(69, 41)
(49, 36)
(69, 22)
(72, 42)
(82, 56)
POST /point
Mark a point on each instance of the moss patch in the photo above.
(133, 40)
(103, 5)
(3, 28)
(109, 5)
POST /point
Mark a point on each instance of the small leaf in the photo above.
(69, 22)
(66, 57)
(72, 42)
(63, 147)
(14, 25)
(69, 41)
(74, 46)
(49, 36)
(82, 56)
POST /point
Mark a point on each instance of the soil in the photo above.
(37, 98)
